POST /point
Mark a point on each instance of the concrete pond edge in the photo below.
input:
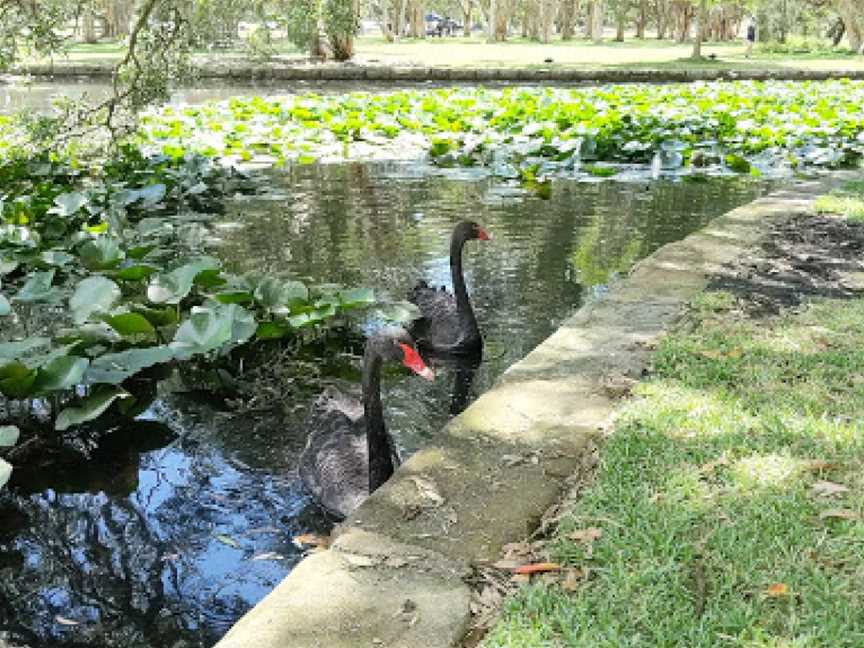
(270, 71)
(395, 575)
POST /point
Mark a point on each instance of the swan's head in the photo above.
(471, 230)
(396, 345)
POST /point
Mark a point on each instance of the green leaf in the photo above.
(279, 296)
(114, 368)
(13, 350)
(137, 272)
(102, 253)
(56, 258)
(272, 330)
(132, 325)
(402, 312)
(233, 297)
(95, 294)
(5, 307)
(172, 287)
(5, 473)
(16, 380)
(8, 436)
(7, 265)
(157, 316)
(38, 288)
(211, 327)
(67, 204)
(60, 373)
(356, 297)
(91, 408)
(150, 195)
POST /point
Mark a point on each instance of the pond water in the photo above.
(182, 520)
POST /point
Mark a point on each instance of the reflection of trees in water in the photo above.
(145, 569)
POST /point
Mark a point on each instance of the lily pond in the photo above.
(166, 319)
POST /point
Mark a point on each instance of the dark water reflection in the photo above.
(166, 537)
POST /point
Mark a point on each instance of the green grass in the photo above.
(847, 201)
(705, 496)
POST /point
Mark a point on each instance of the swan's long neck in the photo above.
(463, 303)
(378, 441)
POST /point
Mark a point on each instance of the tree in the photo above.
(853, 18)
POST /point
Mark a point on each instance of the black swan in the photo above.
(349, 453)
(447, 324)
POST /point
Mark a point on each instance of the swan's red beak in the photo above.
(415, 363)
(483, 235)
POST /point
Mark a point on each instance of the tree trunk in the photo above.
(700, 29)
(619, 29)
(466, 18)
(597, 22)
(589, 17)
(493, 19)
(88, 26)
(642, 19)
(547, 17)
(568, 19)
(854, 23)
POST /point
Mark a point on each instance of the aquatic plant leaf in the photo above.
(131, 325)
(272, 330)
(13, 350)
(7, 265)
(102, 253)
(172, 287)
(280, 296)
(137, 272)
(114, 368)
(5, 306)
(157, 316)
(356, 298)
(56, 258)
(150, 195)
(91, 408)
(60, 373)
(5, 472)
(8, 435)
(233, 297)
(211, 327)
(38, 288)
(95, 294)
(402, 312)
(67, 204)
(16, 380)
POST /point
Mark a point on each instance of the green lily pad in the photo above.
(91, 408)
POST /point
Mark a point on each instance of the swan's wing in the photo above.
(439, 321)
(334, 465)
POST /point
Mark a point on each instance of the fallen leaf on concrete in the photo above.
(586, 535)
(65, 621)
(827, 488)
(516, 549)
(311, 539)
(845, 514)
(777, 590)
(508, 564)
(428, 490)
(537, 568)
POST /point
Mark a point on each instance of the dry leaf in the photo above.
(845, 514)
(735, 353)
(64, 621)
(516, 549)
(827, 488)
(537, 568)
(521, 578)
(777, 590)
(819, 466)
(586, 535)
(311, 539)
(572, 578)
(428, 490)
(509, 565)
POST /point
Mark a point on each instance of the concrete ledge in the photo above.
(394, 577)
(238, 69)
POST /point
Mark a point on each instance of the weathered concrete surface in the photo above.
(393, 577)
(281, 71)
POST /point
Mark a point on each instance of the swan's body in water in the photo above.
(447, 324)
(349, 453)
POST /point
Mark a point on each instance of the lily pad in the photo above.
(91, 408)
(95, 294)
(211, 327)
(38, 288)
(172, 287)
(8, 436)
(61, 373)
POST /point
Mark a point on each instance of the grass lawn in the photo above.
(728, 507)
(577, 54)
(848, 201)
